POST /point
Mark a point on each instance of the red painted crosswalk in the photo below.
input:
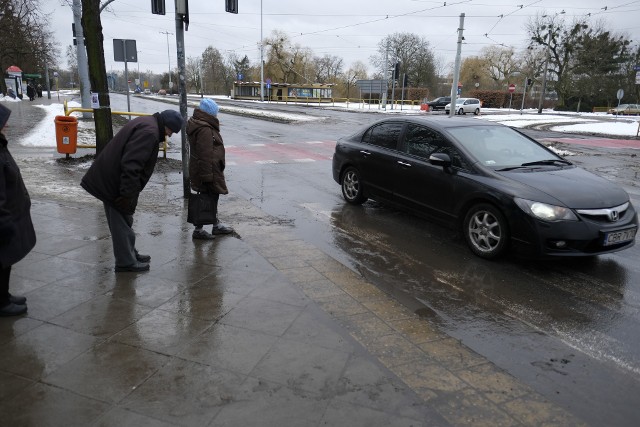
(278, 152)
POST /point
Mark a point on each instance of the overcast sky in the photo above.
(349, 29)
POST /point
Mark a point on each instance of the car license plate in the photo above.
(621, 236)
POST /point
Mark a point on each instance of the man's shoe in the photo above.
(18, 300)
(12, 309)
(133, 268)
(200, 234)
(221, 228)
(143, 258)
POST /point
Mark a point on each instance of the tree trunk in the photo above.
(92, 27)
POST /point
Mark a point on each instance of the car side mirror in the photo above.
(440, 159)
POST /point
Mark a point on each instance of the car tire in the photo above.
(476, 112)
(352, 188)
(485, 231)
(461, 111)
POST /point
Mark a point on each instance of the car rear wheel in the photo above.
(485, 230)
(476, 112)
(352, 189)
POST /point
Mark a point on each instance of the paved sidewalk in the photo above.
(254, 329)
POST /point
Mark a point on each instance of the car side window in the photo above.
(422, 142)
(384, 135)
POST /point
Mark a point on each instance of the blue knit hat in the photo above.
(209, 106)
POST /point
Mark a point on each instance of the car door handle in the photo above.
(366, 153)
(404, 164)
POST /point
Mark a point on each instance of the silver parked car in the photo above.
(464, 106)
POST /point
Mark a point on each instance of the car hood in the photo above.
(572, 187)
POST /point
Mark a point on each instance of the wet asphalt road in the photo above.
(567, 328)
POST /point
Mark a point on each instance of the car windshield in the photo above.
(501, 147)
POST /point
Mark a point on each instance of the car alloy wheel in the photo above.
(352, 190)
(485, 231)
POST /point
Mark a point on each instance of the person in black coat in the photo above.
(17, 235)
(120, 172)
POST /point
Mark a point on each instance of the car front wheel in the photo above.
(461, 111)
(352, 189)
(485, 230)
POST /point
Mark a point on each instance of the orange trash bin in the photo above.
(66, 134)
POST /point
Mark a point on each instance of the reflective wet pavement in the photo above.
(259, 328)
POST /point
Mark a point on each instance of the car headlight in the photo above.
(545, 211)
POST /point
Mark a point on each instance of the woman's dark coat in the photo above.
(17, 236)
(206, 158)
(125, 165)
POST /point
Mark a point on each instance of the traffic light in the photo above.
(396, 71)
(231, 6)
(157, 7)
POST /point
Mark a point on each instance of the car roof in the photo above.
(440, 123)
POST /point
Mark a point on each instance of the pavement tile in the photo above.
(416, 330)
(163, 332)
(119, 417)
(302, 274)
(360, 416)
(365, 327)
(428, 378)
(52, 300)
(185, 393)
(387, 309)
(302, 366)
(11, 328)
(46, 405)
(207, 302)
(260, 403)
(320, 289)
(89, 317)
(341, 305)
(10, 385)
(393, 350)
(114, 369)
(228, 347)
(452, 354)
(285, 262)
(42, 350)
(537, 411)
(468, 407)
(495, 384)
(270, 317)
(314, 326)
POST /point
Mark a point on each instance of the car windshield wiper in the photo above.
(547, 162)
(536, 163)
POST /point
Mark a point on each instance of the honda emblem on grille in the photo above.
(614, 216)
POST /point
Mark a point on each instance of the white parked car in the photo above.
(464, 106)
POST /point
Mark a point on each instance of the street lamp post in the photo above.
(168, 56)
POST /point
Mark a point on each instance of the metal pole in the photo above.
(524, 94)
(81, 52)
(456, 71)
(544, 76)
(126, 75)
(168, 54)
(182, 87)
(261, 60)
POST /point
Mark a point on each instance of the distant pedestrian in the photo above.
(31, 92)
(17, 236)
(120, 172)
(207, 161)
(39, 90)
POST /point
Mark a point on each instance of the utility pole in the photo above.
(544, 76)
(182, 16)
(261, 60)
(456, 71)
(165, 32)
(83, 69)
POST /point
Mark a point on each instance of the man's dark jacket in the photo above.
(125, 165)
(17, 236)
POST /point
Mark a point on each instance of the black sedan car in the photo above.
(502, 189)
